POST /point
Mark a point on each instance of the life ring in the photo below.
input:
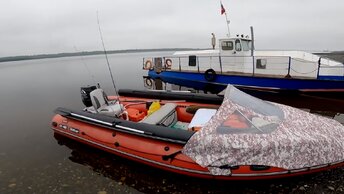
(210, 75)
(149, 83)
(168, 63)
(148, 65)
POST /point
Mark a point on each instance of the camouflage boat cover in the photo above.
(249, 131)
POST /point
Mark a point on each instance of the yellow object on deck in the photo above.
(153, 107)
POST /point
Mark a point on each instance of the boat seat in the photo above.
(103, 106)
(202, 116)
(165, 116)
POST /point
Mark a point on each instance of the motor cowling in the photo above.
(85, 95)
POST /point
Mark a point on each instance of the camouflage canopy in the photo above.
(249, 131)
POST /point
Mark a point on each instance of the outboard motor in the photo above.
(85, 95)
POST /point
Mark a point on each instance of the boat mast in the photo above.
(227, 21)
(223, 11)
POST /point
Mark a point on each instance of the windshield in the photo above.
(246, 45)
(247, 114)
(227, 45)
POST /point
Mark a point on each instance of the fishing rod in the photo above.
(105, 53)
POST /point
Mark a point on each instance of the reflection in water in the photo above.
(32, 162)
(151, 180)
(328, 107)
(107, 165)
(140, 177)
(158, 84)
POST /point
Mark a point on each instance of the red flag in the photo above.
(222, 9)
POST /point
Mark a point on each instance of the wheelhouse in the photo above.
(234, 46)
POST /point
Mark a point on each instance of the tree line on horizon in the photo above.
(335, 55)
(84, 53)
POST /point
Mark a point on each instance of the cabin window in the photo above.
(227, 45)
(237, 45)
(261, 64)
(246, 45)
(192, 60)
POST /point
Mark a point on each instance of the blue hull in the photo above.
(197, 80)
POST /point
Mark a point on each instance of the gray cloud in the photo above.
(53, 26)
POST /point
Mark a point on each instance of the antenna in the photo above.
(107, 60)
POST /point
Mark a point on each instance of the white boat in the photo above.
(236, 62)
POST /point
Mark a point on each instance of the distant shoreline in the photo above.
(335, 55)
(85, 53)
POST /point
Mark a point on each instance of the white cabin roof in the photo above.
(301, 55)
(198, 53)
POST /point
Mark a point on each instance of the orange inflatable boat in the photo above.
(153, 127)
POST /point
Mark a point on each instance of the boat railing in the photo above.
(275, 66)
(329, 69)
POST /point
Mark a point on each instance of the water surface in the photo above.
(34, 160)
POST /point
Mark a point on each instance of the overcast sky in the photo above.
(52, 26)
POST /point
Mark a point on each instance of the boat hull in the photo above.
(159, 147)
(318, 87)
(181, 164)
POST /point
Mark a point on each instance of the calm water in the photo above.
(34, 160)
